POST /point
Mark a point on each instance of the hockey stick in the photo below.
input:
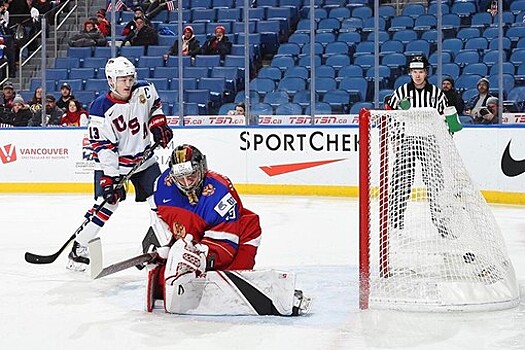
(97, 269)
(48, 259)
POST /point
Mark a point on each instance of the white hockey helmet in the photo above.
(119, 67)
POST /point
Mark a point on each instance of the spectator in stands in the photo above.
(89, 36)
(131, 26)
(36, 101)
(219, 44)
(480, 100)
(4, 17)
(52, 112)
(190, 44)
(488, 114)
(453, 97)
(143, 35)
(103, 24)
(65, 96)
(239, 109)
(22, 114)
(74, 115)
(9, 94)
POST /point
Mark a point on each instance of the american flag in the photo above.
(119, 5)
(171, 5)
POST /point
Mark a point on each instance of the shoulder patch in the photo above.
(225, 205)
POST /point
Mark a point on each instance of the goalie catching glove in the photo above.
(110, 192)
(161, 131)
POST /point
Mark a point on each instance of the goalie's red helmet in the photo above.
(188, 170)
(418, 62)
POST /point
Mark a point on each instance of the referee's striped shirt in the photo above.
(429, 96)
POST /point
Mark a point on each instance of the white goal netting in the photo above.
(433, 242)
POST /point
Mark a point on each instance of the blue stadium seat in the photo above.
(508, 19)
(467, 57)
(160, 83)
(507, 44)
(262, 85)
(226, 108)
(291, 85)
(325, 71)
(319, 108)
(96, 85)
(299, 38)
(425, 22)
(400, 23)
(102, 52)
(515, 33)
(339, 13)
(365, 48)
(254, 97)
(481, 20)
(34, 83)
(173, 61)
(362, 12)
(365, 61)
(79, 52)
(478, 43)
(491, 57)
(318, 49)
(85, 96)
(357, 88)
(396, 61)
(203, 15)
(356, 107)
(209, 61)
(276, 98)
(238, 27)
(151, 62)
(433, 8)
(351, 70)
(67, 62)
(387, 11)
(369, 25)
(261, 109)
(297, 71)
(453, 70)
(467, 81)
(508, 82)
(289, 108)
(202, 4)
(187, 84)
(466, 33)
(282, 62)
(400, 80)
(305, 61)
(328, 25)
(168, 96)
(382, 36)
(475, 68)
(417, 47)
(302, 98)
(392, 46)
(405, 36)
(57, 74)
(216, 86)
(82, 73)
(199, 96)
(338, 61)
(413, 10)
(452, 46)
(190, 108)
(94, 62)
(324, 84)
(517, 6)
(291, 49)
(132, 53)
(273, 73)
(508, 68)
(463, 9)
(230, 75)
(352, 24)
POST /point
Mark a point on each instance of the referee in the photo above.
(419, 93)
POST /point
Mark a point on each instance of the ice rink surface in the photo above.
(48, 307)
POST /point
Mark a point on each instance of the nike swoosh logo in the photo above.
(509, 165)
(166, 200)
(273, 170)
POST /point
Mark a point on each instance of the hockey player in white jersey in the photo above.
(121, 122)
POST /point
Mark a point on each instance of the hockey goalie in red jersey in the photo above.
(207, 242)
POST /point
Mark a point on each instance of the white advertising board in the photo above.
(302, 156)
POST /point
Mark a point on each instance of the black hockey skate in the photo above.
(78, 258)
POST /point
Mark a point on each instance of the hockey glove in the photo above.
(109, 189)
(161, 131)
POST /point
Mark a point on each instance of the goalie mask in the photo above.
(188, 170)
(118, 67)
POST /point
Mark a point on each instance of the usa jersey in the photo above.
(118, 130)
(218, 220)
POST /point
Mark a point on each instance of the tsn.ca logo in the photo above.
(8, 154)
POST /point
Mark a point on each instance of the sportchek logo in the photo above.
(280, 169)
(509, 165)
(8, 154)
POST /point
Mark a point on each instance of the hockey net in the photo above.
(428, 240)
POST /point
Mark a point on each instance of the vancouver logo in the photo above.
(509, 165)
(7, 154)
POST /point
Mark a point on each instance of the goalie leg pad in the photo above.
(242, 292)
(154, 287)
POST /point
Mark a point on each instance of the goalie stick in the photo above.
(97, 269)
(48, 259)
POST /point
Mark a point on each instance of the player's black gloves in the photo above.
(109, 189)
(161, 131)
